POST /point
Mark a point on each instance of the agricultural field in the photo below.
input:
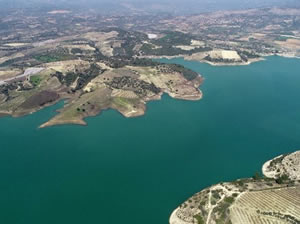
(256, 200)
(267, 207)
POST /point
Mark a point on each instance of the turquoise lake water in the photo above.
(118, 170)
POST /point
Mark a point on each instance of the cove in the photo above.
(138, 170)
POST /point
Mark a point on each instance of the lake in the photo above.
(138, 170)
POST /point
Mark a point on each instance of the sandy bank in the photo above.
(174, 219)
(54, 123)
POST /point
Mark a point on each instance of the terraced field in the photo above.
(269, 206)
(257, 200)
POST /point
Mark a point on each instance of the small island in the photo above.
(273, 198)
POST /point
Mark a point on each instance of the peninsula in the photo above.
(273, 198)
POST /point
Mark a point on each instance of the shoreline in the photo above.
(4, 115)
(137, 113)
(186, 212)
(265, 166)
(230, 64)
(132, 114)
(81, 121)
(250, 61)
(70, 122)
(189, 58)
(174, 219)
(140, 110)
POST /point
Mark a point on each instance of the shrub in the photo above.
(199, 219)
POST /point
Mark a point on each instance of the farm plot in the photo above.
(267, 206)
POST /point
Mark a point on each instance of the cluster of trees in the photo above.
(174, 38)
(5, 89)
(119, 62)
(59, 54)
(130, 40)
(82, 78)
(245, 55)
(282, 179)
(220, 60)
(187, 73)
(9, 62)
(170, 50)
(76, 51)
(143, 62)
(276, 161)
(88, 75)
(140, 87)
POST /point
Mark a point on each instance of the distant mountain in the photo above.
(170, 6)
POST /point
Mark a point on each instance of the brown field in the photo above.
(289, 44)
(9, 73)
(40, 99)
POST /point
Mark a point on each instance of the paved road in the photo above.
(28, 72)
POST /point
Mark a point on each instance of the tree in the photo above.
(256, 176)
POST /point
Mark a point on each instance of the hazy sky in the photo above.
(175, 6)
